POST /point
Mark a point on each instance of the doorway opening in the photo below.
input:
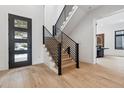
(20, 41)
(110, 41)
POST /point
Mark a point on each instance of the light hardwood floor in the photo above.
(40, 76)
(113, 63)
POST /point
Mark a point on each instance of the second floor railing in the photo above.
(64, 15)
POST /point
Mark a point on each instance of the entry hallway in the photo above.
(89, 75)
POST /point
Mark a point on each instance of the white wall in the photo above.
(109, 37)
(51, 15)
(34, 12)
(84, 32)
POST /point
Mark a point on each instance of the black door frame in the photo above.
(11, 30)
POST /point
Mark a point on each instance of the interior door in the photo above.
(20, 41)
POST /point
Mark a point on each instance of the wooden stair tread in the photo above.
(64, 54)
(68, 64)
(66, 59)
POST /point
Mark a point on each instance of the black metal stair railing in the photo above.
(67, 43)
(53, 46)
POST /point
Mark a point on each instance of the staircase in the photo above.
(63, 50)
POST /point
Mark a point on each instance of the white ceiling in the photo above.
(113, 19)
(88, 8)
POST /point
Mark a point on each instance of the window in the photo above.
(20, 57)
(119, 39)
(21, 46)
(20, 35)
(20, 23)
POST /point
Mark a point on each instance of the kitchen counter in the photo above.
(100, 51)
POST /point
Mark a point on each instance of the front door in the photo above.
(20, 41)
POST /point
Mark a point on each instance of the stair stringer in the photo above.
(48, 60)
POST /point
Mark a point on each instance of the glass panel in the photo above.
(21, 57)
(20, 35)
(118, 42)
(21, 46)
(119, 32)
(20, 23)
(123, 42)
